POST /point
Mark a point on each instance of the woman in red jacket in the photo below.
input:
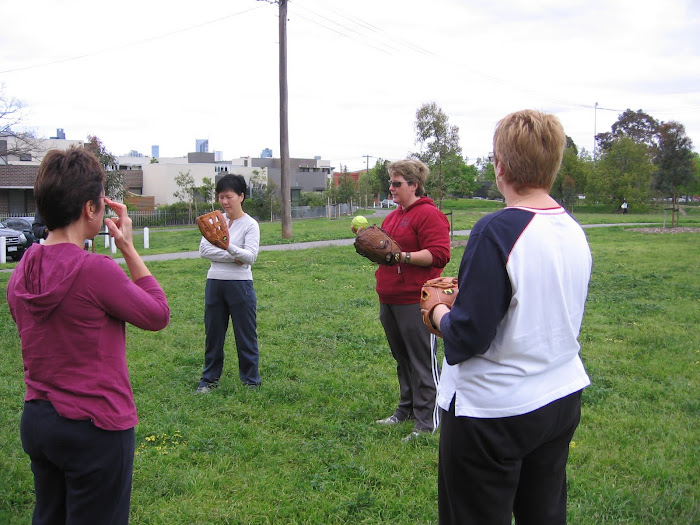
(423, 233)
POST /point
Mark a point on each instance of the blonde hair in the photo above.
(413, 170)
(530, 146)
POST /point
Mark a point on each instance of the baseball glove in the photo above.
(442, 290)
(377, 245)
(214, 228)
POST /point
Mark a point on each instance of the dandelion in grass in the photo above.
(163, 444)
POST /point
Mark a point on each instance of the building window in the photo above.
(25, 157)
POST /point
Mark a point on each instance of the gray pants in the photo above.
(416, 367)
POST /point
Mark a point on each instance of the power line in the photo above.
(339, 32)
(365, 37)
(376, 29)
(130, 44)
(370, 41)
(342, 33)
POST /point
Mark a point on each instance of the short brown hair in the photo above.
(530, 146)
(413, 170)
(66, 181)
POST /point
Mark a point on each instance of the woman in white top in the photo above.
(229, 292)
(511, 383)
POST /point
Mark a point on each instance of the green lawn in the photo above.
(304, 448)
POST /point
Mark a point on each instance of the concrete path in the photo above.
(275, 247)
(318, 244)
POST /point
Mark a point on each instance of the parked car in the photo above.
(387, 203)
(15, 242)
(24, 225)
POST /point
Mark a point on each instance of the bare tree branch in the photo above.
(16, 143)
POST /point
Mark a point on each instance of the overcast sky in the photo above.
(139, 73)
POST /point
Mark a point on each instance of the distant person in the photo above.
(39, 229)
(511, 383)
(229, 291)
(42, 232)
(624, 207)
(423, 232)
(70, 307)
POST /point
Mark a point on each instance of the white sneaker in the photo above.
(415, 434)
(391, 420)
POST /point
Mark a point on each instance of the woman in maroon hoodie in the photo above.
(71, 307)
(423, 233)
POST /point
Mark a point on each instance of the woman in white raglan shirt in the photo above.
(511, 384)
(229, 290)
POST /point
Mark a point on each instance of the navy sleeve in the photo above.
(484, 286)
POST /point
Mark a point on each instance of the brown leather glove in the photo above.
(441, 290)
(214, 228)
(377, 245)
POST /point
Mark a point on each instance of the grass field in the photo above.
(304, 450)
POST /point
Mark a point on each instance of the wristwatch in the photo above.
(407, 260)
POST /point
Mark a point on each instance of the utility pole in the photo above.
(284, 127)
(595, 131)
(367, 175)
(284, 122)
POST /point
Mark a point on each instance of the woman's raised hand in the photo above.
(119, 227)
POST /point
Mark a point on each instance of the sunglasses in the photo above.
(397, 183)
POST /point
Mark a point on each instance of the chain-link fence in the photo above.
(185, 218)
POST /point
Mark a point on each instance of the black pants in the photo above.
(235, 300)
(490, 469)
(82, 474)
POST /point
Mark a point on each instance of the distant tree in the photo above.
(439, 141)
(485, 169)
(11, 111)
(675, 167)
(694, 187)
(460, 178)
(485, 184)
(257, 183)
(347, 189)
(364, 188)
(207, 192)
(312, 198)
(263, 202)
(623, 173)
(379, 175)
(114, 179)
(18, 143)
(331, 193)
(186, 193)
(572, 176)
(154, 160)
(638, 126)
